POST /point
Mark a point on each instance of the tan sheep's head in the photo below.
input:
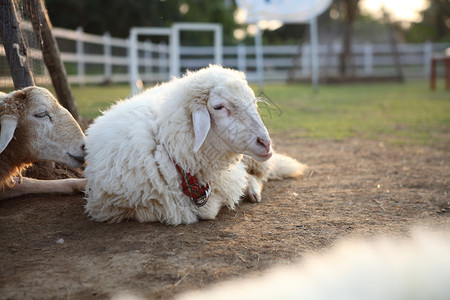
(37, 127)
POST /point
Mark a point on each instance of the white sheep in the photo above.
(35, 127)
(385, 268)
(200, 124)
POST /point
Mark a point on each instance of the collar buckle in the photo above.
(199, 202)
(190, 186)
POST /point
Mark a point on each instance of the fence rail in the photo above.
(96, 59)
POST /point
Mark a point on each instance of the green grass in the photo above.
(91, 100)
(397, 113)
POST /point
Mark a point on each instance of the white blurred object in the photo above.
(287, 11)
(262, 12)
(417, 268)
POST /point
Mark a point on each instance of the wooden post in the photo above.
(433, 74)
(15, 50)
(434, 61)
(50, 53)
(447, 72)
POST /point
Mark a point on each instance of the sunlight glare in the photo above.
(400, 10)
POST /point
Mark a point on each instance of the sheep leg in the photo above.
(254, 188)
(33, 186)
(211, 208)
(257, 173)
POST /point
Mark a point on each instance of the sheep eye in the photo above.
(218, 107)
(42, 115)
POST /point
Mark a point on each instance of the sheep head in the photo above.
(36, 125)
(231, 117)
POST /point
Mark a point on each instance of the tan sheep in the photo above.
(35, 127)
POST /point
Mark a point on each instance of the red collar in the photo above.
(191, 187)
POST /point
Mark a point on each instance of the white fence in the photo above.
(98, 59)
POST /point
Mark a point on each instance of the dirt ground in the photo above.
(49, 249)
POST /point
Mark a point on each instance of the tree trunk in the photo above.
(51, 55)
(15, 49)
(394, 47)
(351, 8)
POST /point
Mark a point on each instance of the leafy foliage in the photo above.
(118, 16)
(435, 25)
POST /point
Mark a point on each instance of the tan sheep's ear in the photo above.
(202, 123)
(8, 125)
(19, 95)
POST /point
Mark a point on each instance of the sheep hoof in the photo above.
(254, 198)
(76, 185)
(253, 191)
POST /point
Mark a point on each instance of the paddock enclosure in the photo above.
(357, 187)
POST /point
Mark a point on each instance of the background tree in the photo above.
(15, 47)
(118, 16)
(349, 10)
(435, 24)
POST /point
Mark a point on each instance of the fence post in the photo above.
(305, 60)
(107, 56)
(337, 50)
(148, 63)
(162, 61)
(368, 59)
(80, 56)
(133, 69)
(427, 55)
(315, 52)
(241, 57)
(259, 57)
(174, 51)
(218, 45)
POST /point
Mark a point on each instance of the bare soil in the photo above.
(50, 249)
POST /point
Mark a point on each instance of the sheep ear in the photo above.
(202, 123)
(8, 126)
(19, 95)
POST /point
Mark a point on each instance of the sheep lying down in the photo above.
(180, 151)
(35, 127)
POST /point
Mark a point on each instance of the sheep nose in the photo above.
(83, 150)
(263, 143)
